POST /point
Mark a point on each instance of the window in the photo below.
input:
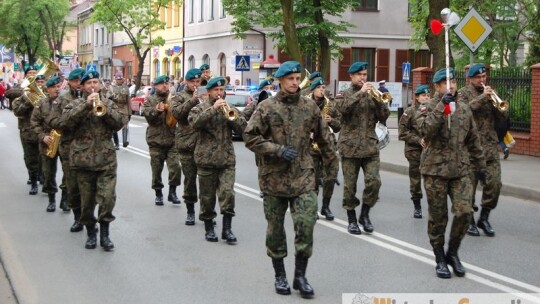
(211, 10)
(367, 5)
(221, 10)
(156, 68)
(367, 55)
(191, 62)
(166, 68)
(106, 36)
(169, 16)
(102, 36)
(201, 11)
(191, 10)
(177, 67)
(97, 38)
(177, 15)
(206, 59)
(129, 66)
(222, 65)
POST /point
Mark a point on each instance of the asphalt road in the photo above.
(157, 259)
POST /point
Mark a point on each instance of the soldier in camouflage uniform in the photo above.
(157, 110)
(215, 158)
(93, 157)
(56, 121)
(486, 116)
(322, 173)
(451, 139)
(120, 95)
(185, 139)
(206, 74)
(279, 132)
(312, 77)
(414, 143)
(357, 145)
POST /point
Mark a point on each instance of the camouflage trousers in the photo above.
(97, 188)
(460, 192)
(212, 182)
(70, 178)
(372, 180)
(31, 158)
(323, 178)
(304, 216)
(189, 168)
(158, 156)
(415, 178)
(492, 189)
(49, 167)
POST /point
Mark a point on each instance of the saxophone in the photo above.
(325, 111)
(52, 149)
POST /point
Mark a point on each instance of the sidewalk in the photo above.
(520, 173)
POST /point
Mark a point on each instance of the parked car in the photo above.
(139, 99)
(240, 100)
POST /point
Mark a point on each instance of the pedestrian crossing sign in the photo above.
(242, 63)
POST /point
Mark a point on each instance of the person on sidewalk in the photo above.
(478, 96)
(414, 143)
(452, 138)
(358, 147)
(502, 127)
(120, 95)
(160, 140)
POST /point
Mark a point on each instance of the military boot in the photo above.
(159, 198)
(281, 284)
(190, 218)
(104, 240)
(364, 218)
(210, 235)
(91, 242)
(441, 270)
(472, 230)
(52, 202)
(484, 224)
(172, 196)
(353, 225)
(452, 258)
(300, 282)
(33, 186)
(227, 233)
(77, 226)
(417, 209)
(63, 201)
(325, 210)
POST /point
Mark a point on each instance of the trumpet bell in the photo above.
(305, 82)
(99, 110)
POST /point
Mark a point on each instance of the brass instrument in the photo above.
(229, 112)
(325, 111)
(169, 119)
(31, 89)
(52, 149)
(99, 108)
(305, 82)
(378, 95)
(497, 102)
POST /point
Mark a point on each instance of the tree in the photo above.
(52, 15)
(138, 19)
(532, 13)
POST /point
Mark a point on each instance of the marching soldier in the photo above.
(157, 110)
(93, 157)
(185, 140)
(414, 143)
(215, 158)
(279, 132)
(452, 138)
(312, 77)
(485, 116)
(265, 88)
(206, 73)
(357, 145)
(120, 95)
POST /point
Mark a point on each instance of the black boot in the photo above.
(159, 198)
(281, 284)
(300, 282)
(441, 270)
(452, 258)
(172, 196)
(190, 218)
(417, 209)
(33, 186)
(104, 240)
(77, 226)
(484, 224)
(52, 202)
(472, 230)
(353, 225)
(325, 210)
(63, 201)
(364, 218)
(227, 233)
(91, 242)
(210, 235)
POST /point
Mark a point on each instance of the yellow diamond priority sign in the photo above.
(473, 30)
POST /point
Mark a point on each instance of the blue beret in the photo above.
(52, 81)
(357, 67)
(29, 68)
(314, 75)
(265, 83)
(40, 77)
(204, 67)
(89, 75)
(287, 68)
(476, 69)
(422, 89)
(316, 83)
(216, 82)
(161, 79)
(76, 74)
(440, 75)
(193, 74)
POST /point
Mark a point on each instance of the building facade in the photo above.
(168, 59)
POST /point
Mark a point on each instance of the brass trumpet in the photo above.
(378, 95)
(229, 112)
(497, 102)
(99, 108)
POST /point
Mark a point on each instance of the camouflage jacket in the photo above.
(288, 120)
(40, 126)
(485, 117)
(92, 148)
(359, 116)
(14, 92)
(158, 133)
(448, 150)
(56, 120)
(23, 108)
(120, 95)
(186, 136)
(335, 123)
(214, 146)
(409, 131)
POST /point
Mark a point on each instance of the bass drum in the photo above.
(382, 135)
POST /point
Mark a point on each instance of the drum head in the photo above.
(382, 135)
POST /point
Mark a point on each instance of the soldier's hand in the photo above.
(423, 143)
(327, 118)
(219, 102)
(488, 90)
(160, 107)
(481, 176)
(47, 140)
(367, 86)
(289, 154)
(92, 97)
(448, 98)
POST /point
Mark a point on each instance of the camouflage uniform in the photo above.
(287, 120)
(22, 108)
(409, 132)
(160, 140)
(120, 95)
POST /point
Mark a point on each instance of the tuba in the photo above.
(32, 91)
(305, 82)
(52, 149)
(497, 102)
(99, 108)
(229, 112)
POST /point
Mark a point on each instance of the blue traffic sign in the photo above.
(91, 67)
(242, 63)
(406, 69)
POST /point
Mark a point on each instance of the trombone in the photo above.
(497, 102)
